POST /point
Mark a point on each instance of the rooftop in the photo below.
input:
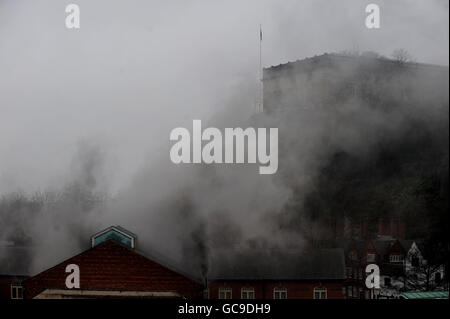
(425, 295)
(277, 264)
(328, 59)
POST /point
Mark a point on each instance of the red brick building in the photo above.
(276, 274)
(387, 252)
(112, 268)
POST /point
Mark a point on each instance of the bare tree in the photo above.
(402, 56)
(424, 274)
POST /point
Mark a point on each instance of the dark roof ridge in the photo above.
(340, 55)
(108, 242)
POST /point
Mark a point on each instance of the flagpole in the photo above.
(260, 69)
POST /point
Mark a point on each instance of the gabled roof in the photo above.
(113, 266)
(406, 244)
(330, 59)
(383, 246)
(274, 264)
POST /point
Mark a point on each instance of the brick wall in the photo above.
(264, 288)
(110, 266)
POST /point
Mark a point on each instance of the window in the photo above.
(248, 293)
(16, 292)
(371, 258)
(225, 293)
(320, 293)
(350, 291)
(353, 256)
(396, 258)
(280, 293)
(117, 234)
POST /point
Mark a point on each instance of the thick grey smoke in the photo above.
(86, 115)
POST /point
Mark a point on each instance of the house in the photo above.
(336, 90)
(386, 252)
(420, 273)
(277, 274)
(113, 268)
(392, 255)
(355, 266)
(328, 81)
(401, 262)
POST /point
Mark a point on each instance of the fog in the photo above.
(95, 106)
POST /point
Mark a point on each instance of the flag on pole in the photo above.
(260, 33)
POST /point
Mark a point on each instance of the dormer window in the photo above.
(116, 233)
(396, 258)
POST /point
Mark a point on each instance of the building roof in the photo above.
(383, 245)
(406, 244)
(112, 266)
(324, 264)
(425, 295)
(328, 59)
(116, 259)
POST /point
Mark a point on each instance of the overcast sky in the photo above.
(137, 69)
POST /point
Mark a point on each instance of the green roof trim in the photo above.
(425, 295)
(116, 233)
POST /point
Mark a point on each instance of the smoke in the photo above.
(35, 224)
(87, 146)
